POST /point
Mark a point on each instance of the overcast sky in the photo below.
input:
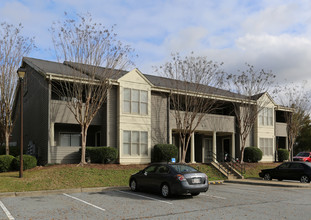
(269, 34)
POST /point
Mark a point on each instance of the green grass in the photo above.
(252, 169)
(59, 177)
(211, 172)
(71, 176)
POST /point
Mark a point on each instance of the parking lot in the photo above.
(227, 201)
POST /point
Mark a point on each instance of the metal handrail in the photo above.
(236, 164)
(229, 162)
(220, 167)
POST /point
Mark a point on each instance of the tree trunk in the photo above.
(242, 156)
(7, 143)
(183, 156)
(185, 143)
(242, 151)
(83, 144)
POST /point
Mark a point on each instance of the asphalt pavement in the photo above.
(294, 184)
(226, 201)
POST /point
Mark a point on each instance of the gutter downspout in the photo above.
(49, 119)
(168, 103)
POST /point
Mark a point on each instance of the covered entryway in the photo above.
(205, 147)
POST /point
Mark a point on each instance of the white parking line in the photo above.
(145, 197)
(216, 197)
(84, 202)
(8, 214)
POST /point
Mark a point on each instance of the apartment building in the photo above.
(136, 116)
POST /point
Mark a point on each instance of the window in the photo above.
(296, 166)
(135, 101)
(266, 117)
(97, 139)
(284, 166)
(135, 143)
(151, 169)
(162, 170)
(266, 146)
(70, 139)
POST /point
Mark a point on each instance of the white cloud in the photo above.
(274, 35)
(186, 40)
(287, 56)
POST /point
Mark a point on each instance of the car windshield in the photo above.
(308, 164)
(303, 154)
(183, 168)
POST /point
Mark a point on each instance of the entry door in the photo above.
(226, 149)
(208, 148)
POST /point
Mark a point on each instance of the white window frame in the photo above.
(140, 102)
(266, 146)
(265, 117)
(69, 133)
(141, 144)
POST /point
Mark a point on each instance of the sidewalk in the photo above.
(270, 183)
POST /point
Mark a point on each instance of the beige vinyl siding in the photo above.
(133, 120)
(65, 155)
(112, 114)
(265, 129)
(210, 122)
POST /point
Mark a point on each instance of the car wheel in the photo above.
(133, 185)
(165, 190)
(304, 179)
(195, 194)
(267, 176)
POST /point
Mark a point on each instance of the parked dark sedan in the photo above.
(289, 171)
(170, 179)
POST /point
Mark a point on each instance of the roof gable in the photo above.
(265, 95)
(135, 76)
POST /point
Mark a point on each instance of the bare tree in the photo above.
(13, 46)
(296, 97)
(96, 56)
(190, 98)
(251, 85)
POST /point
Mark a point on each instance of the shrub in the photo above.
(6, 163)
(14, 150)
(102, 154)
(28, 162)
(252, 154)
(164, 152)
(283, 154)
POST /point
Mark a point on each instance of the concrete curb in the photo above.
(59, 191)
(77, 190)
(270, 183)
(216, 182)
(102, 189)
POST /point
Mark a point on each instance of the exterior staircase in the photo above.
(230, 168)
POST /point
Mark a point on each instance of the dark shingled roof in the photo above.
(70, 69)
(99, 71)
(44, 66)
(171, 84)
